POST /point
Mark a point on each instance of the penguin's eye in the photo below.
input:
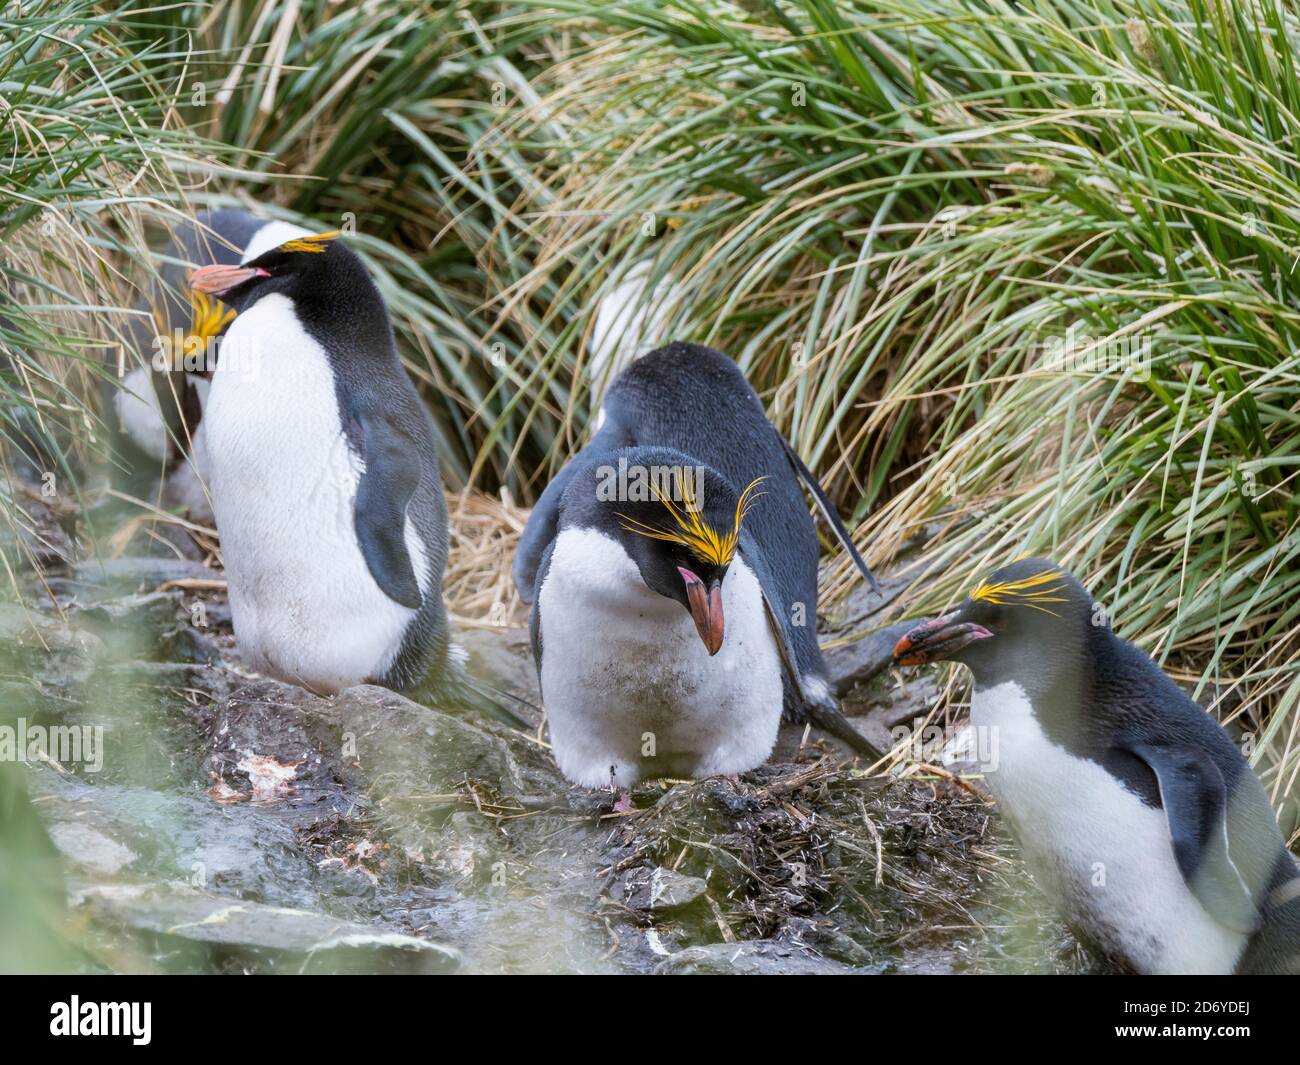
(707, 571)
(274, 262)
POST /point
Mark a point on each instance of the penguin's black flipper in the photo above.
(820, 706)
(829, 718)
(534, 615)
(1195, 800)
(827, 509)
(540, 531)
(543, 522)
(391, 476)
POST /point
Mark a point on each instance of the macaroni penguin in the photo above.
(672, 570)
(1136, 813)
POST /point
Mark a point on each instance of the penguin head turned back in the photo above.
(332, 295)
(679, 522)
(1021, 622)
(320, 274)
(290, 268)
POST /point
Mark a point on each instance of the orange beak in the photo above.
(218, 280)
(933, 641)
(706, 609)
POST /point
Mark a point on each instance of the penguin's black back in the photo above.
(696, 400)
(1136, 702)
(344, 312)
(1135, 705)
(1125, 698)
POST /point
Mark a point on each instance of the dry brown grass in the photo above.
(477, 584)
(904, 867)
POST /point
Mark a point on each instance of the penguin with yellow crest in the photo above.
(1136, 812)
(324, 477)
(672, 570)
(159, 386)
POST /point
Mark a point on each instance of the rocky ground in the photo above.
(240, 824)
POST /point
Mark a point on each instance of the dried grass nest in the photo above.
(893, 866)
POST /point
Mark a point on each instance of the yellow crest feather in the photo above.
(313, 245)
(1032, 591)
(692, 532)
(210, 316)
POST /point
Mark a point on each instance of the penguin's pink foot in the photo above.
(624, 803)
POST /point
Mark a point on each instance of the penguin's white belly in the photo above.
(283, 483)
(140, 414)
(1103, 855)
(628, 687)
(187, 484)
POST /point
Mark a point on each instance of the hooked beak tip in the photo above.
(706, 609)
(936, 640)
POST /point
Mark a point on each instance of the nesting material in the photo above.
(477, 584)
(897, 867)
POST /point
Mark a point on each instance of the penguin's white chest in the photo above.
(140, 414)
(1102, 854)
(187, 484)
(628, 687)
(283, 484)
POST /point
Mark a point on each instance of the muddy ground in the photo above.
(238, 824)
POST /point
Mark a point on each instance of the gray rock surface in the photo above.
(241, 824)
(260, 938)
(753, 958)
(863, 658)
(658, 889)
(91, 848)
(139, 574)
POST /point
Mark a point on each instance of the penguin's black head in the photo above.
(291, 267)
(1016, 622)
(679, 521)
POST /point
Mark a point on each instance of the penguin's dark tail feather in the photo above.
(828, 512)
(831, 721)
(455, 687)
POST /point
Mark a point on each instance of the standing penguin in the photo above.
(1137, 814)
(159, 409)
(324, 476)
(672, 568)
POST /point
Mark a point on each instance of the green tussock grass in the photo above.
(891, 214)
